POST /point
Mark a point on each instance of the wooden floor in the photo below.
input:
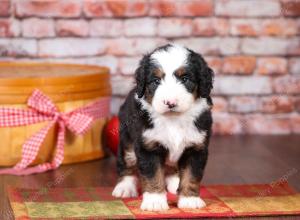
(232, 160)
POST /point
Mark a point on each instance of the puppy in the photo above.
(165, 126)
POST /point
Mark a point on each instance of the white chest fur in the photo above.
(177, 132)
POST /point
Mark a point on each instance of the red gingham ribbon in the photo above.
(41, 108)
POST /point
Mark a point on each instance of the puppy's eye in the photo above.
(184, 78)
(156, 81)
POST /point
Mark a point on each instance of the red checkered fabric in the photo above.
(41, 108)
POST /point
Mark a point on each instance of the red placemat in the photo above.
(97, 203)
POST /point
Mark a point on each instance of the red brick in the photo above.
(133, 46)
(212, 45)
(121, 85)
(203, 27)
(128, 65)
(227, 124)
(65, 47)
(4, 8)
(130, 8)
(163, 8)
(297, 103)
(265, 46)
(287, 85)
(140, 27)
(220, 104)
(35, 27)
(291, 7)
(96, 8)
(247, 8)
(267, 124)
(106, 27)
(53, 8)
(293, 47)
(295, 123)
(229, 46)
(277, 104)
(294, 65)
(263, 27)
(181, 8)
(116, 8)
(9, 28)
(243, 104)
(221, 26)
(205, 46)
(239, 65)
(242, 85)
(174, 27)
(18, 48)
(244, 27)
(298, 25)
(279, 27)
(77, 28)
(271, 65)
(215, 63)
(210, 27)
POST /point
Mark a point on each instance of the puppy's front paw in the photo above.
(126, 188)
(191, 202)
(154, 202)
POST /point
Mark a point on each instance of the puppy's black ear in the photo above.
(205, 84)
(140, 76)
(204, 74)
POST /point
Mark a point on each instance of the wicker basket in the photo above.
(69, 87)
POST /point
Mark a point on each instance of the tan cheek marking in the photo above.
(159, 74)
(195, 93)
(148, 97)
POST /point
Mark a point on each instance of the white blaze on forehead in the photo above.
(171, 59)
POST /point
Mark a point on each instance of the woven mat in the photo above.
(97, 203)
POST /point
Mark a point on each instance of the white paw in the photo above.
(172, 182)
(191, 202)
(154, 202)
(126, 188)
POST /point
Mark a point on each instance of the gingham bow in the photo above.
(41, 108)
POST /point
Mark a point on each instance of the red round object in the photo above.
(112, 134)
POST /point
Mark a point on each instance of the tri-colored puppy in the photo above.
(165, 126)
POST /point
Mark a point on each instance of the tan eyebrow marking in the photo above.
(159, 73)
(180, 71)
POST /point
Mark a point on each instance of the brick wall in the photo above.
(253, 46)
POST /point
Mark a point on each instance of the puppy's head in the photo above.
(172, 78)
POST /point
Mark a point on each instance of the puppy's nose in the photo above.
(170, 103)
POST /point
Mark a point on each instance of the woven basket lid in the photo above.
(61, 82)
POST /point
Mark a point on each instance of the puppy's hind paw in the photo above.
(172, 183)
